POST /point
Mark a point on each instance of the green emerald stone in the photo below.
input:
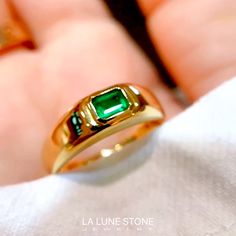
(110, 104)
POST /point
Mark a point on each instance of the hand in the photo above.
(81, 49)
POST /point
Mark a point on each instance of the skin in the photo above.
(80, 49)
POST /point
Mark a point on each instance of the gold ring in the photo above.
(96, 117)
(12, 35)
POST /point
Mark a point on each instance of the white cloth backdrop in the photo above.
(183, 178)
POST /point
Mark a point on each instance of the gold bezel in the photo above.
(90, 118)
(130, 96)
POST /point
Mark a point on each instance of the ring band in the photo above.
(12, 35)
(96, 117)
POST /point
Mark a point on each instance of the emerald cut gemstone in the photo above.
(110, 104)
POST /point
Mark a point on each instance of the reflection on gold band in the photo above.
(12, 35)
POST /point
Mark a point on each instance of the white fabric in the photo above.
(184, 178)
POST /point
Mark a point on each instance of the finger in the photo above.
(83, 43)
(47, 18)
(94, 55)
(196, 40)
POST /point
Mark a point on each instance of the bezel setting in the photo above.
(99, 104)
(92, 122)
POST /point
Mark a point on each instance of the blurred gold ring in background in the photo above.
(12, 35)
